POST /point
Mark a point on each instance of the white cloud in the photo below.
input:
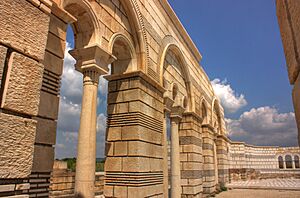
(229, 99)
(71, 136)
(264, 126)
(69, 115)
(70, 109)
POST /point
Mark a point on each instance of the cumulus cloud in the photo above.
(264, 126)
(230, 100)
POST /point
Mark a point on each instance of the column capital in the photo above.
(168, 102)
(176, 113)
(93, 59)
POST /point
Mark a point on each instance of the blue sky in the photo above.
(243, 57)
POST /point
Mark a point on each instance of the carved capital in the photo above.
(176, 112)
(92, 59)
(168, 102)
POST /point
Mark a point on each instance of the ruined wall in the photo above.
(252, 162)
(288, 13)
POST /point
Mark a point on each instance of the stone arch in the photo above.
(170, 44)
(87, 29)
(136, 21)
(122, 47)
(288, 161)
(216, 107)
(204, 111)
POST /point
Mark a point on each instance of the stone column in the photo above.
(293, 162)
(165, 161)
(175, 159)
(175, 152)
(92, 62)
(284, 163)
(168, 102)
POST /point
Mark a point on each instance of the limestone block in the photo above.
(3, 51)
(24, 27)
(58, 27)
(288, 37)
(120, 148)
(56, 45)
(113, 164)
(24, 80)
(48, 105)
(17, 143)
(45, 131)
(136, 164)
(43, 159)
(53, 63)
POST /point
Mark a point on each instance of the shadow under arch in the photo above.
(169, 43)
(204, 110)
(139, 37)
(216, 106)
(122, 47)
(87, 29)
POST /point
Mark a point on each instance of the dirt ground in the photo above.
(253, 193)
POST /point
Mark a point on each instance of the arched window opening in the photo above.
(288, 161)
(123, 53)
(280, 162)
(296, 159)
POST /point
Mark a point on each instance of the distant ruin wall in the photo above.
(258, 162)
(62, 182)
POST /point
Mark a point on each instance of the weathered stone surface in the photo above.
(24, 27)
(43, 158)
(17, 141)
(48, 105)
(23, 85)
(3, 51)
(45, 131)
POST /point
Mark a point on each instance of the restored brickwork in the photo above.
(252, 162)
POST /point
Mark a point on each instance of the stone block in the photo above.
(43, 159)
(24, 27)
(113, 164)
(45, 131)
(48, 107)
(56, 45)
(23, 84)
(120, 148)
(53, 63)
(58, 27)
(136, 164)
(7, 188)
(114, 134)
(288, 37)
(17, 136)
(3, 51)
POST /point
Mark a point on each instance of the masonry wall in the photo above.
(24, 28)
(288, 13)
(253, 162)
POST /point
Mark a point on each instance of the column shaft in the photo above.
(175, 160)
(86, 154)
(165, 161)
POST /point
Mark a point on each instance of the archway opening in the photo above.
(280, 162)
(288, 161)
(124, 62)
